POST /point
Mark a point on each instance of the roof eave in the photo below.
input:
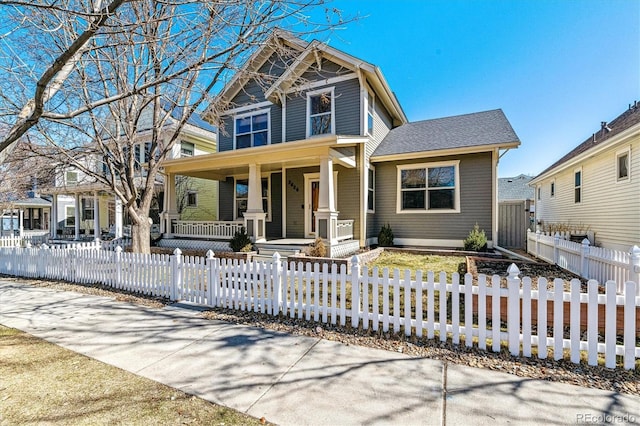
(619, 138)
(444, 152)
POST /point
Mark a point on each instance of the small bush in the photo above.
(318, 249)
(240, 241)
(476, 240)
(385, 237)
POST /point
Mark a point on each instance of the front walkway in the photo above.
(295, 380)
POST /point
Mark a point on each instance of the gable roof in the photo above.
(308, 54)
(607, 133)
(515, 188)
(477, 130)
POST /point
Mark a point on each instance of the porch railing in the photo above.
(223, 230)
(345, 229)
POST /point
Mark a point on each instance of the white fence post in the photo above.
(537, 243)
(211, 278)
(513, 309)
(634, 267)
(584, 259)
(276, 296)
(176, 275)
(556, 252)
(355, 292)
(117, 256)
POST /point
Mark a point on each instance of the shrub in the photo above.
(318, 249)
(385, 237)
(476, 240)
(240, 241)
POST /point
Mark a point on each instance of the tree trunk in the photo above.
(141, 236)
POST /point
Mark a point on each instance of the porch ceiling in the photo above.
(219, 165)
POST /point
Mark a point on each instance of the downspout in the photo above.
(361, 163)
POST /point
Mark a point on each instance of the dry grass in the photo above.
(414, 262)
(44, 383)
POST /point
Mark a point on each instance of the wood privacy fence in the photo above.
(589, 262)
(481, 313)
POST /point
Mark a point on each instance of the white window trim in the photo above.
(333, 111)
(68, 209)
(68, 181)
(553, 189)
(620, 153)
(579, 169)
(456, 197)
(250, 114)
(235, 199)
(369, 101)
(193, 149)
(374, 189)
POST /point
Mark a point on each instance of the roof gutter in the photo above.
(443, 152)
(619, 138)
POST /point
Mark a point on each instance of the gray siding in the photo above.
(225, 203)
(475, 201)
(349, 197)
(347, 114)
(295, 201)
(269, 71)
(274, 227)
(225, 142)
(382, 123)
(329, 70)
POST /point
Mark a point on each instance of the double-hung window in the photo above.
(622, 165)
(577, 186)
(186, 149)
(320, 112)
(252, 129)
(70, 216)
(87, 209)
(192, 199)
(242, 197)
(371, 192)
(370, 108)
(71, 178)
(552, 189)
(431, 187)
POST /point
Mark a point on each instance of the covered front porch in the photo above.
(282, 192)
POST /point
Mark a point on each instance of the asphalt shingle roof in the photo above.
(515, 188)
(460, 131)
(625, 120)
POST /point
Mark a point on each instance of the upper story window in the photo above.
(552, 189)
(622, 165)
(186, 149)
(577, 186)
(320, 112)
(71, 178)
(432, 187)
(370, 108)
(252, 129)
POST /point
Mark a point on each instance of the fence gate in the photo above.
(513, 222)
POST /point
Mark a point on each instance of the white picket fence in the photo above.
(589, 262)
(480, 313)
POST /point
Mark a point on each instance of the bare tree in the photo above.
(137, 82)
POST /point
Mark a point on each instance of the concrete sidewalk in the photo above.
(296, 380)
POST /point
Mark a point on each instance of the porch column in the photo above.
(77, 216)
(255, 217)
(54, 216)
(170, 213)
(96, 216)
(326, 215)
(118, 218)
(20, 224)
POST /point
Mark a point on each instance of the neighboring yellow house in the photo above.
(82, 208)
(594, 190)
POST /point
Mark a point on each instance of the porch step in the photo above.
(269, 252)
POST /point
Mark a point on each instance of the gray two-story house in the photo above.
(314, 143)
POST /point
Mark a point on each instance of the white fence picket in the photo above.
(371, 299)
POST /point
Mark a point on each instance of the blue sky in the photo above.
(556, 68)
